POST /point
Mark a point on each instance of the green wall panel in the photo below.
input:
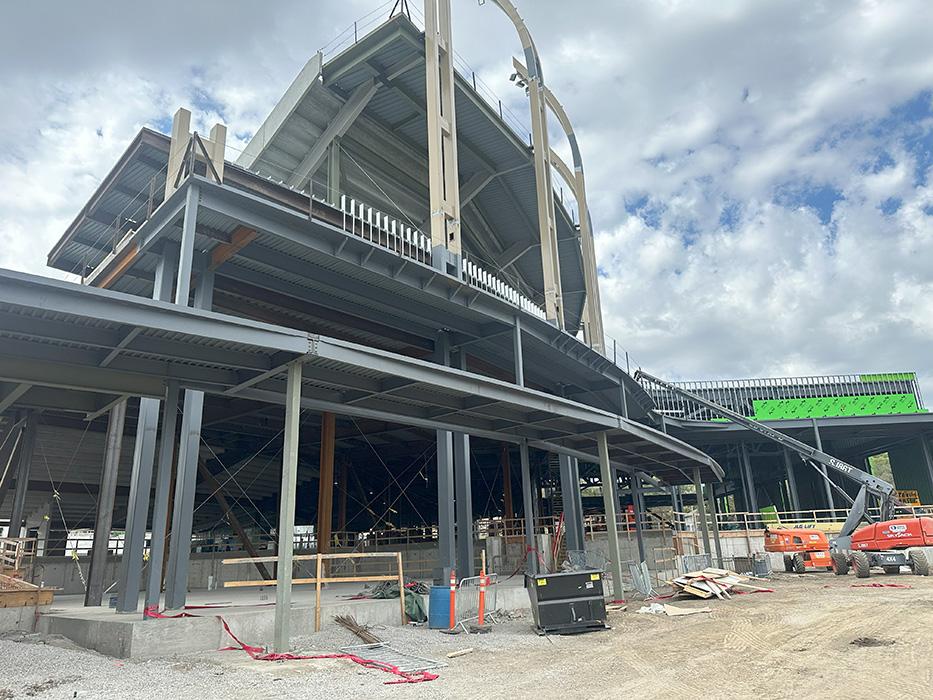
(872, 405)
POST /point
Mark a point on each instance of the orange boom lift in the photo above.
(888, 544)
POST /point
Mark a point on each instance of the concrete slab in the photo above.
(249, 612)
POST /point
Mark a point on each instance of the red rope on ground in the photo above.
(880, 585)
(259, 654)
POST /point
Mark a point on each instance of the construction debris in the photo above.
(460, 652)
(361, 631)
(719, 583)
(671, 610)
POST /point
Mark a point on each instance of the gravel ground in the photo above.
(816, 636)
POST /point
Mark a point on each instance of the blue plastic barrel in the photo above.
(439, 608)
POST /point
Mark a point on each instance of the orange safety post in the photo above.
(453, 598)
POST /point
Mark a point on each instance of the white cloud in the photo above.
(701, 110)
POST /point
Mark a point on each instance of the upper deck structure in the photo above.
(426, 295)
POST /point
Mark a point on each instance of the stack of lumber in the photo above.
(16, 593)
(718, 583)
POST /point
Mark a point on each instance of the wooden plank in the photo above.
(306, 581)
(317, 596)
(311, 557)
(401, 589)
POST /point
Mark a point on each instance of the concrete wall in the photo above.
(21, 619)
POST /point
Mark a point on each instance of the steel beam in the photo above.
(26, 454)
(10, 396)
(8, 447)
(338, 126)
(286, 524)
(607, 478)
(105, 497)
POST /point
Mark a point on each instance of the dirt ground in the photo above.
(815, 636)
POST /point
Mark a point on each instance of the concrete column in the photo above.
(531, 554)
(639, 506)
(717, 542)
(791, 481)
(751, 498)
(26, 452)
(286, 525)
(105, 495)
(325, 500)
(607, 476)
(701, 510)
(573, 508)
(163, 491)
(517, 352)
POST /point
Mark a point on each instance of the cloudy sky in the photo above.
(759, 171)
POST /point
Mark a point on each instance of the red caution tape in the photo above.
(757, 590)
(880, 585)
(259, 654)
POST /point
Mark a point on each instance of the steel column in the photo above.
(446, 528)
(638, 504)
(131, 564)
(163, 490)
(464, 505)
(94, 594)
(927, 457)
(286, 529)
(176, 584)
(713, 517)
(751, 498)
(186, 252)
(826, 487)
(17, 512)
(531, 550)
(701, 510)
(7, 456)
(791, 481)
(570, 496)
(517, 351)
(607, 476)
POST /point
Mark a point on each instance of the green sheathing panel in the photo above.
(872, 405)
(889, 377)
(910, 470)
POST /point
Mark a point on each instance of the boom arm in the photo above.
(884, 491)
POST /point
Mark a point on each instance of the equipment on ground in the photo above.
(882, 544)
(803, 548)
(569, 602)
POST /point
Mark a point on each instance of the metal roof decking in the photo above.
(58, 334)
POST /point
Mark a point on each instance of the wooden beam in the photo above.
(241, 238)
(325, 500)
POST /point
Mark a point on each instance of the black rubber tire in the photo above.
(919, 563)
(840, 563)
(799, 566)
(892, 570)
(788, 564)
(861, 565)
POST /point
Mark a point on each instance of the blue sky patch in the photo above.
(820, 198)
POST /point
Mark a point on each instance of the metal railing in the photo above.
(740, 395)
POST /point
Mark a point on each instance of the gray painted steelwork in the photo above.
(26, 456)
(105, 497)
